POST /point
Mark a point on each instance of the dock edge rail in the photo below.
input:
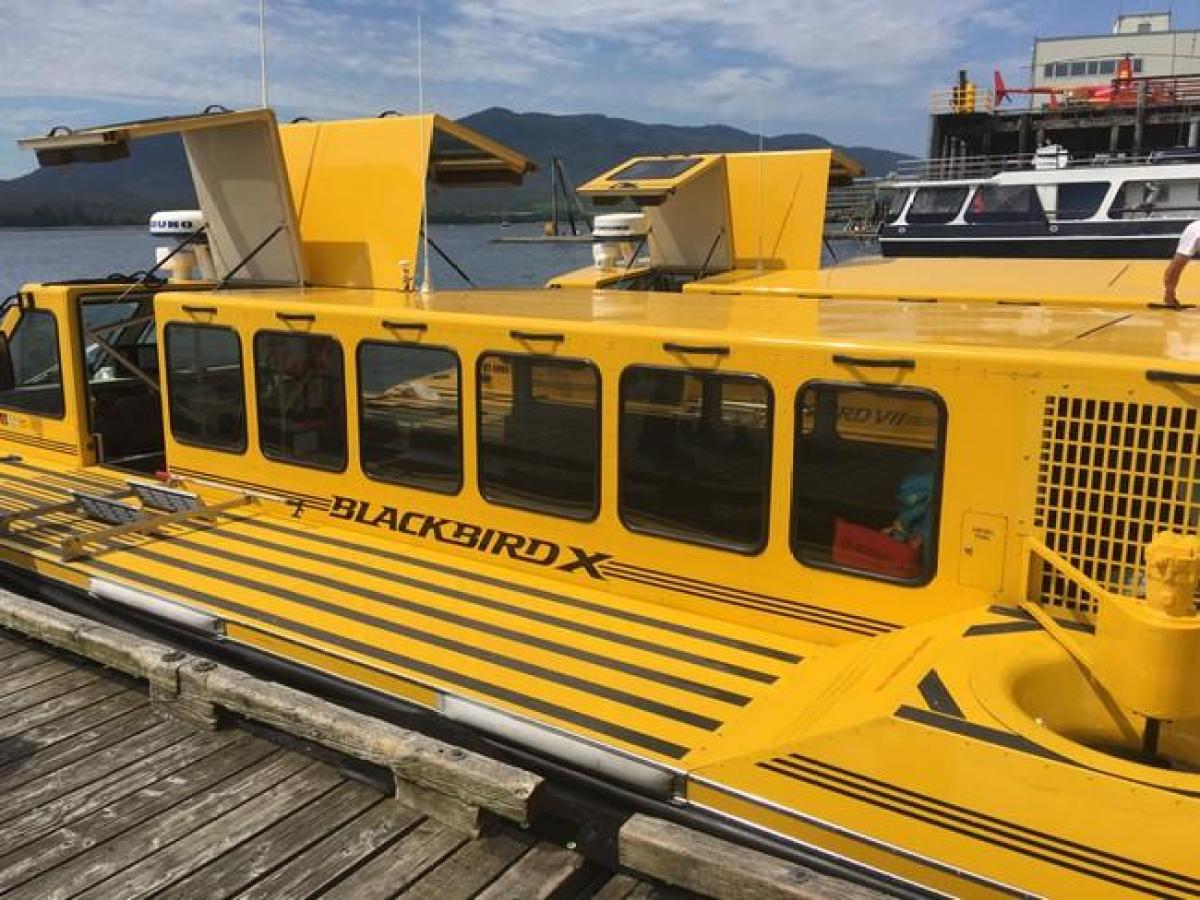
(454, 785)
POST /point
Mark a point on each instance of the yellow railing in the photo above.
(962, 101)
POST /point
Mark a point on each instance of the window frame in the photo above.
(62, 388)
(938, 486)
(171, 391)
(258, 419)
(361, 410)
(769, 478)
(598, 481)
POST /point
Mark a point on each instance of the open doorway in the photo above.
(119, 356)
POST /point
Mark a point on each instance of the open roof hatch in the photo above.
(241, 184)
(358, 188)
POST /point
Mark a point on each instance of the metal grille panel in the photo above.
(1112, 474)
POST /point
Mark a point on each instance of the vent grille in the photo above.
(1112, 474)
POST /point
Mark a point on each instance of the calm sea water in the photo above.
(39, 254)
(45, 254)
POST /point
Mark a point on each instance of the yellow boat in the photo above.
(750, 224)
(868, 587)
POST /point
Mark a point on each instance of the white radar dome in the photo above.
(176, 223)
(620, 226)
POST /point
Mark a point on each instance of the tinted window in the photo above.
(301, 399)
(409, 427)
(655, 169)
(1108, 66)
(867, 480)
(938, 205)
(895, 204)
(1081, 199)
(1137, 66)
(1048, 71)
(37, 377)
(1005, 203)
(1093, 67)
(1061, 70)
(1166, 199)
(539, 434)
(206, 398)
(1078, 68)
(695, 456)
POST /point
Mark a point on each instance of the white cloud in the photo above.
(862, 65)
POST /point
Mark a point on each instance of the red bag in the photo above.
(859, 547)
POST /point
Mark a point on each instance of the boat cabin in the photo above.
(761, 559)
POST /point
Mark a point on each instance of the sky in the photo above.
(854, 71)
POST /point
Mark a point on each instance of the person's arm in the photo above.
(1171, 278)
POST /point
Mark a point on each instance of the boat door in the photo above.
(118, 357)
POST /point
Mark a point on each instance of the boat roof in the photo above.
(642, 177)
(1122, 283)
(1164, 335)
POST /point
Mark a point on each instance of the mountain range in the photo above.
(156, 177)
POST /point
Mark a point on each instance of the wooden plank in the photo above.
(32, 740)
(255, 858)
(57, 707)
(26, 659)
(86, 799)
(538, 874)
(103, 860)
(47, 690)
(10, 644)
(619, 887)
(46, 777)
(201, 845)
(35, 674)
(325, 862)
(471, 868)
(400, 864)
(124, 813)
(36, 761)
(714, 867)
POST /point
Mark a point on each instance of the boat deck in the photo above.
(416, 624)
(104, 797)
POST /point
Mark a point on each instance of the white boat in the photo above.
(1045, 205)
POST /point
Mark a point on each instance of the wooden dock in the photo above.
(101, 795)
(130, 769)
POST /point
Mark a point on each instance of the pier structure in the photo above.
(130, 769)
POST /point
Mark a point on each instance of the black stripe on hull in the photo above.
(1125, 872)
(1026, 248)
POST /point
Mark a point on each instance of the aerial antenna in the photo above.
(426, 282)
(762, 182)
(262, 50)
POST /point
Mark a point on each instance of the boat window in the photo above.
(1005, 203)
(32, 380)
(895, 204)
(695, 456)
(937, 205)
(1078, 68)
(867, 480)
(655, 169)
(205, 386)
(1157, 199)
(408, 408)
(1061, 70)
(1079, 199)
(301, 398)
(1108, 66)
(1048, 70)
(539, 433)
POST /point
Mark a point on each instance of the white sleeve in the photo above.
(1189, 240)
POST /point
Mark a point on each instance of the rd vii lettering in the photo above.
(521, 547)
